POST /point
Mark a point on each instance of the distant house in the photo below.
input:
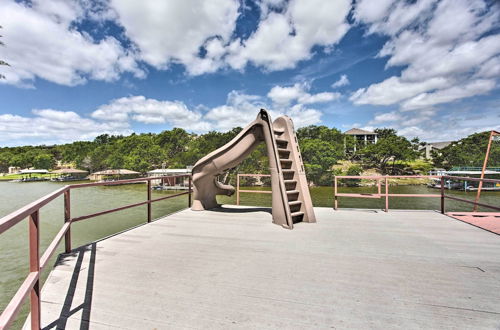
(434, 146)
(14, 169)
(118, 174)
(362, 136)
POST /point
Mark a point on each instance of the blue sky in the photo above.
(80, 68)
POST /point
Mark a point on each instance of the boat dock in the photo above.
(233, 268)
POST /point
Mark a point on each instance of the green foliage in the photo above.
(353, 170)
(389, 149)
(321, 148)
(43, 161)
(466, 152)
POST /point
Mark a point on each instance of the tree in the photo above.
(469, 151)
(43, 161)
(389, 148)
(1, 61)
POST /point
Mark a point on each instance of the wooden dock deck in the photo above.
(235, 269)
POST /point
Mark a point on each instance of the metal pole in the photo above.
(34, 242)
(149, 200)
(478, 195)
(386, 194)
(237, 189)
(67, 218)
(442, 195)
(335, 202)
(190, 191)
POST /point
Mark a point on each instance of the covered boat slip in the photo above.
(233, 268)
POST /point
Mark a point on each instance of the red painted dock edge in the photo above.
(489, 221)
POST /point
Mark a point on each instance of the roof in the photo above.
(33, 171)
(69, 171)
(116, 172)
(170, 170)
(359, 131)
(440, 145)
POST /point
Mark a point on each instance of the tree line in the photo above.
(322, 147)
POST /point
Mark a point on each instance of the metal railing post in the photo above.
(149, 200)
(34, 242)
(238, 189)
(386, 194)
(442, 195)
(190, 190)
(335, 200)
(67, 218)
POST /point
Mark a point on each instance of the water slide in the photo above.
(291, 201)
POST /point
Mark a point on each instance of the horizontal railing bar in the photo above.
(472, 202)
(379, 177)
(83, 217)
(169, 196)
(463, 178)
(257, 191)
(10, 312)
(53, 245)
(413, 195)
(359, 195)
(119, 182)
(254, 175)
(13, 218)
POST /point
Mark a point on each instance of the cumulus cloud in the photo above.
(444, 48)
(174, 31)
(286, 37)
(283, 96)
(343, 81)
(150, 111)
(48, 126)
(41, 42)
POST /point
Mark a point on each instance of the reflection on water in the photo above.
(13, 243)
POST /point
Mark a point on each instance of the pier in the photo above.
(232, 268)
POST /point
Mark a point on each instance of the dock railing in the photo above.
(386, 194)
(31, 285)
(238, 190)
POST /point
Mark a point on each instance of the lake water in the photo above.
(14, 242)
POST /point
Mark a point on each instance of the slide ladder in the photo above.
(298, 204)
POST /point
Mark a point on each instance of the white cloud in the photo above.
(283, 96)
(385, 117)
(444, 48)
(150, 111)
(475, 87)
(41, 42)
(49, 126)
(174, 31)
(284, 38)
(343, 81)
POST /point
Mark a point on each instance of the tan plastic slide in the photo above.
(291, 201)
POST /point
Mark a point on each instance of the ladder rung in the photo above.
(296, 214)
(283, 150)
(288, 171)
(286, 160)
(281, 140)
(294, 203)
(279, 130)
(292, 192)
(290, 181)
